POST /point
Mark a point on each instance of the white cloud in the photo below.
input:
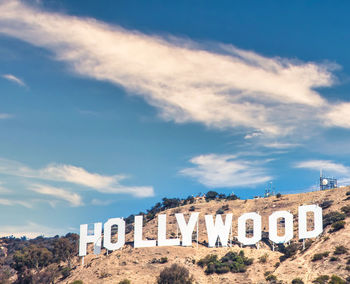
(99, 202)
(14, 79)
(341, 171)
(226, 171)
(183, 79)
(338, 115)
(75, 175)
(323, 164)
(280, 145)
(73, 199)
(13, 202)
(30, 230)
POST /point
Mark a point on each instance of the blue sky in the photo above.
(107, 107)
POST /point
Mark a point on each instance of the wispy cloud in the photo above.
(73, 199)
(341, 171)
(14, 79)
(226, 171)
(13, 202)
(186, 81)
(99, 202)
(30, 230)
(280, 145)
(338, 115)
(75, 175)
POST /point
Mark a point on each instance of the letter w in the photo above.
(219, 229)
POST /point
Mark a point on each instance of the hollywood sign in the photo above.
(218, 230)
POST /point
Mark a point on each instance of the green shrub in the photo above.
(232, 197)
(347, 193)
(326, 204)
(323, 279)
(319, 256)
(220, 211)
(271, 277)
(192, 208)
(278, 195)
(225, 207)
(336, 280)
(308, 244)
(161, 260)
(297, 281)
(267, 273)
(32, 256)
(338, 226)
(125, 281)
(175, 274)
(232, 261)
(346, 210)
(334, 258)
(288, 251)
(211, 195)
(65, 271)
(332, 217)
(263, 258)
(340, 250)
(77, 282)
(347, 268)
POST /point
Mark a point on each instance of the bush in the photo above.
(338, 226)
(271, 277)
(231, 261)
(125, 281)
(334, 258)
(211, 195)
(308, 244)
(297, 281)
(219, 211)
(161, 260)
(32, 256)
(232, 197)
(288, 251)
(263, 258)
(65, 271)
(346, 210)
(278, 195)
(340, 250)
(326, 204)
(319, 256)
(323, 279)
(192, 208)
(175, 274)
(348, 193)
(77, 282)
(225, 207)
(336, 280)
(170, 203)
(332, 217)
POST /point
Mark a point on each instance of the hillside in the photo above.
(136, 264)
(140, 265)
